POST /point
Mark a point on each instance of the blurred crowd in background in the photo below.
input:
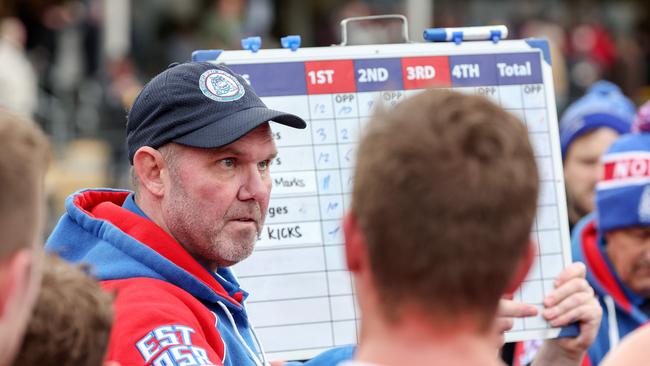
(75, 66)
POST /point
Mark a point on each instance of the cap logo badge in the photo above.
(220, 86)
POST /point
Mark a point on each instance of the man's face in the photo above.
(629, 252)
(216, 199)
(582, 169)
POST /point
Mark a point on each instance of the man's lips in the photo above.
(244, 220)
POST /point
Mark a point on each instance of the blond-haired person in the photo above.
(24, 156)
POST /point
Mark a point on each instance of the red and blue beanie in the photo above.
(623, 192)
(604, 105)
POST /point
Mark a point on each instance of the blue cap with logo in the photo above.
(604, 105)
(623, 191)
(197, 104)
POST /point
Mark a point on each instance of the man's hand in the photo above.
(508, 310)
(572, 301)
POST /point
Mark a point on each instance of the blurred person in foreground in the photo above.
(200, 144)
(614, 241)
(71, 322)
(433, 299)
(24, 157)
(587, 128)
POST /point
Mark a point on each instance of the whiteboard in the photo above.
(301, 296)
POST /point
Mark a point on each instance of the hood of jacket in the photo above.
(118, 243)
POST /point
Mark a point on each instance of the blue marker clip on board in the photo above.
(494, 33)
(205, 55)
(252, 44)
(292, 42)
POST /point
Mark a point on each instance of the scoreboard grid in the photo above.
(301, 296)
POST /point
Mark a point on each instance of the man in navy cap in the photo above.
(200, 144)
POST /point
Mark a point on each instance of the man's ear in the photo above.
(523, 266)
(15, 275)
(355, 244)
(148, 165)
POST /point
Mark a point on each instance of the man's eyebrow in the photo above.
(230, 151)
(236, 152)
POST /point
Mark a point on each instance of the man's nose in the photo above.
(254, 185)
(646, 251)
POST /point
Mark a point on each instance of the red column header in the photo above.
(327, 77)
(426, 72)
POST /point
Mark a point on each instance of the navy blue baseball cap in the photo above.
(197, 104)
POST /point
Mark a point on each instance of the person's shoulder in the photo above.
(145, 290)
(156, 300)
(633, 350)
(154, 317)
